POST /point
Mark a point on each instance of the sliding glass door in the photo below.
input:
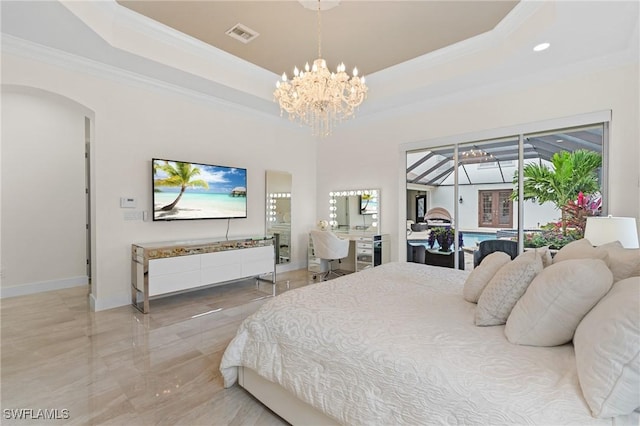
(474, 189)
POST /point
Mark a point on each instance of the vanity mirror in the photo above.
(278, 213)
(355, 210)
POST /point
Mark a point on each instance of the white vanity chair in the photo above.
(328, 247)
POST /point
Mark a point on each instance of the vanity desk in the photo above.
(365, 251)
(167, 267)
(354, 215)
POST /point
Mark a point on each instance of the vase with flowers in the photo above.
(444, 236)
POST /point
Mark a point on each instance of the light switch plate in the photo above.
(133, 215)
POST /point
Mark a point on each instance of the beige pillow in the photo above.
(579, 249)
(543, 252)
(556, 300)
(607, 347)
(482, 274)
(505, 288)
(624, 263)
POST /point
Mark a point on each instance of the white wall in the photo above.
(367, 152)
(135, 122)
(43, 191)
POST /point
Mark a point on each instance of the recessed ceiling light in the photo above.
(540, 47)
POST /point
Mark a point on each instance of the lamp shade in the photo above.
(602, 230)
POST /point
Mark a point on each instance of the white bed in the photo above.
(397, 344)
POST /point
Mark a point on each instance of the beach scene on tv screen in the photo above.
(198, 191)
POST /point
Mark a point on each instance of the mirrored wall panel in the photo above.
(355, 210)
(278, 212)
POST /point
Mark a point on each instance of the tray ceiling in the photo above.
(372, 35)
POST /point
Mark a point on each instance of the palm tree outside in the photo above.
(571, 173)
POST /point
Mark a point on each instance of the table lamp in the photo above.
(602, 230)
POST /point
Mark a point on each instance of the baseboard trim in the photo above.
(103, 303)
(42, 286)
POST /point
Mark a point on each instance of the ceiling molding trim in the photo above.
(79, 64)
(131, 32)
(615, 60)
(519, 15)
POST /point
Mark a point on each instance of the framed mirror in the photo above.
(278, 213)
(355, 210)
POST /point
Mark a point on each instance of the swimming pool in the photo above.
(472, 239)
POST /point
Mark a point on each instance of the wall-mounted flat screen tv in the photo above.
(187, 191)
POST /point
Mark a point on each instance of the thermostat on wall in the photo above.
(127, 203)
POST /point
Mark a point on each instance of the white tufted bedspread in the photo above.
(397, 345)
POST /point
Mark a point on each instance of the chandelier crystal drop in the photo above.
(319, 98)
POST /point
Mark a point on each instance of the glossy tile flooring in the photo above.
(122, 367)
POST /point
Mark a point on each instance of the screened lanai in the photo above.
(484, 197)
(493, 161)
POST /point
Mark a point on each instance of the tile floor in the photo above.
(122, 367)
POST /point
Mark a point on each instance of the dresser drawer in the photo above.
(362, 245)
(364, 251)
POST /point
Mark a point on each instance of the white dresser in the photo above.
(173, 266)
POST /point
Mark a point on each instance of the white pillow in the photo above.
(556, 301)
(624, 263)
(579, 249)
(607, 347)
(505, 288)
(547, 260)
(543, 252)
(482, 274)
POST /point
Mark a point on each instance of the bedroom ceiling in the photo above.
(372, 35)
(105, 38)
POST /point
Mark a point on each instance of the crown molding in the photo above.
(518, 16)
(134, 33)
(424, 100)
(80, 64)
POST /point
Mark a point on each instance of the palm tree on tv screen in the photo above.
(181, 175)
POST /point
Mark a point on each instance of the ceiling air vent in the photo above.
(242, 33)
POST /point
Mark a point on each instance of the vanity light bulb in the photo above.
(374, 224)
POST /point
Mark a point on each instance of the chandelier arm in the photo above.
(319, 32)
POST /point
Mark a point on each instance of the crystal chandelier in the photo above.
(475, 155)
(317, 97)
